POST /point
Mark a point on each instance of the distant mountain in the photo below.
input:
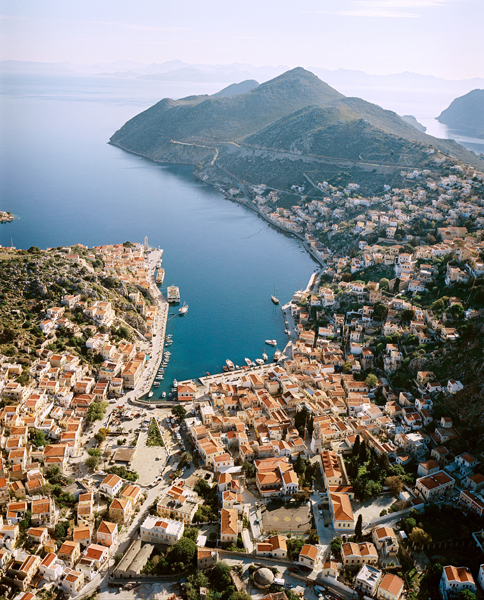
(237, 88)
(467, 113)
(411, 120)
(292, 126)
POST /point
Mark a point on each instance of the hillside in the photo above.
(466, 112)
(255, 135)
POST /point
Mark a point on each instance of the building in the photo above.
(454, 580)
(355, 555)
(70, 553)
(341, 513)
(274, 547)
(309, 556)
(367, 580)
(107, 534)
(111, 485)
(229, 526)
(178, 503)
(120, 510)
(161, 531)
(435, 486)
(391, 587)
(206, 558)
(73, 581)
(472, 502)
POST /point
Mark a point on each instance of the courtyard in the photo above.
(294, 517)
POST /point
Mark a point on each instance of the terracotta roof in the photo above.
(461, 574)
(107, 527)
(229, 521)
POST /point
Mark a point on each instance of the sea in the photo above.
(66, 185)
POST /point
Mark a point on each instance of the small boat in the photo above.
(150, 395)
(275, 300)
(164, 394)
(183, 310)
(157, 385)
(271, 342)
(207, 373)
(237, 367)
(229, 364)
(277, 355)
(265, 357)
(226, 369)
(248, 361)
(175, 383)
(259, 361)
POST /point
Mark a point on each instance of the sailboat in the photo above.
(183, 309)
(273, 297)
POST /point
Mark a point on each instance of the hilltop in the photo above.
(292, 125)
(466, 112)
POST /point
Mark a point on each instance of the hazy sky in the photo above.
(438, 37)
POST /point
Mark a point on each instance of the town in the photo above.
(346, 468)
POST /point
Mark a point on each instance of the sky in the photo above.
(432, 37)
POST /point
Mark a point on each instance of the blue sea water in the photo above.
(66, 185)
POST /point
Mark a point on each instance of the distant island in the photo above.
(466, 112)
(6, 216)
(285, 130)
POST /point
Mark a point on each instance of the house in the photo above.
(466, 462)
(454, 580)
(354, 555)
(367, 580)
(391, 587)
(73, 581)
(474, 482)
(82, 534)
(120, 510)
(472, 502)
(274, 547)
(50, 568)
(428, 467)
(42, 512)
(434, 486)
(131, 493)
(107, 534)
(179, 503)
(330, 569)
(454, 386)
(161, 531)
(310, 556)
(111, 485)
(206, 558)
(229, 526)
(385, 539)
(341, 513)
(70, 553)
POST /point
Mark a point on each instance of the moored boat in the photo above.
(277, 355)
(271, 342)
(259, 361)
(248, 361)
(265, 357)
(183, 310)
(173, 293)
(229, 364)
(275, 300)
(150, 394)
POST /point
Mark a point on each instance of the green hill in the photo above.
(292, 125)
(466, 112)
(237, 88)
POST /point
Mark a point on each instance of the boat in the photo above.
(237, 367)
(229, 364)
(175, 383)
(150, 394)
(248, 361)
(157, 385)
(160, 276)
(273, 297)
(277, 355)
(271, 342)
(173, 293)
(164, 394)
(259, 361)
(265, 357)
(183, 310)
(225, 369)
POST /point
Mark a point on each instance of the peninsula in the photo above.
(283, 130)
(466, 113)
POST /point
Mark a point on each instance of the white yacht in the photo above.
(229, 364)
(271, 342)
(183, 310)
(248, 361)
(259, 361)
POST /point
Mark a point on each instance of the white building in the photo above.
(161, 531)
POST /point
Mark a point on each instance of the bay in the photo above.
(67, 186)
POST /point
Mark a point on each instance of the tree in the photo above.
(420, 537)
(356, 447)
(294, 547)
(248, 469)
(179, 412)
(363, 453)
(396, 285)
(408, 314)
(39, 439)
(313, 537)
(395, 484)
(438, 304)
(359, 527)
(336, 544)
(380, 310)
(94, 452)
(240, 596)
(300, 465)
(183, 551)
(467, 595)
(191, 533)
(92, 462)
(202, 488)
(96, 411)
(383, 462)
(100, 436)
(384, 283)
(457, 310)
(371, 381)
(410, 523)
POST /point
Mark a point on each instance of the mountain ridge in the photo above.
(293, 114)
(466, 112)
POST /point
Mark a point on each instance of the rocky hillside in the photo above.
(237, 88)
(31, 281)
(466, 112)
(295, 122)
